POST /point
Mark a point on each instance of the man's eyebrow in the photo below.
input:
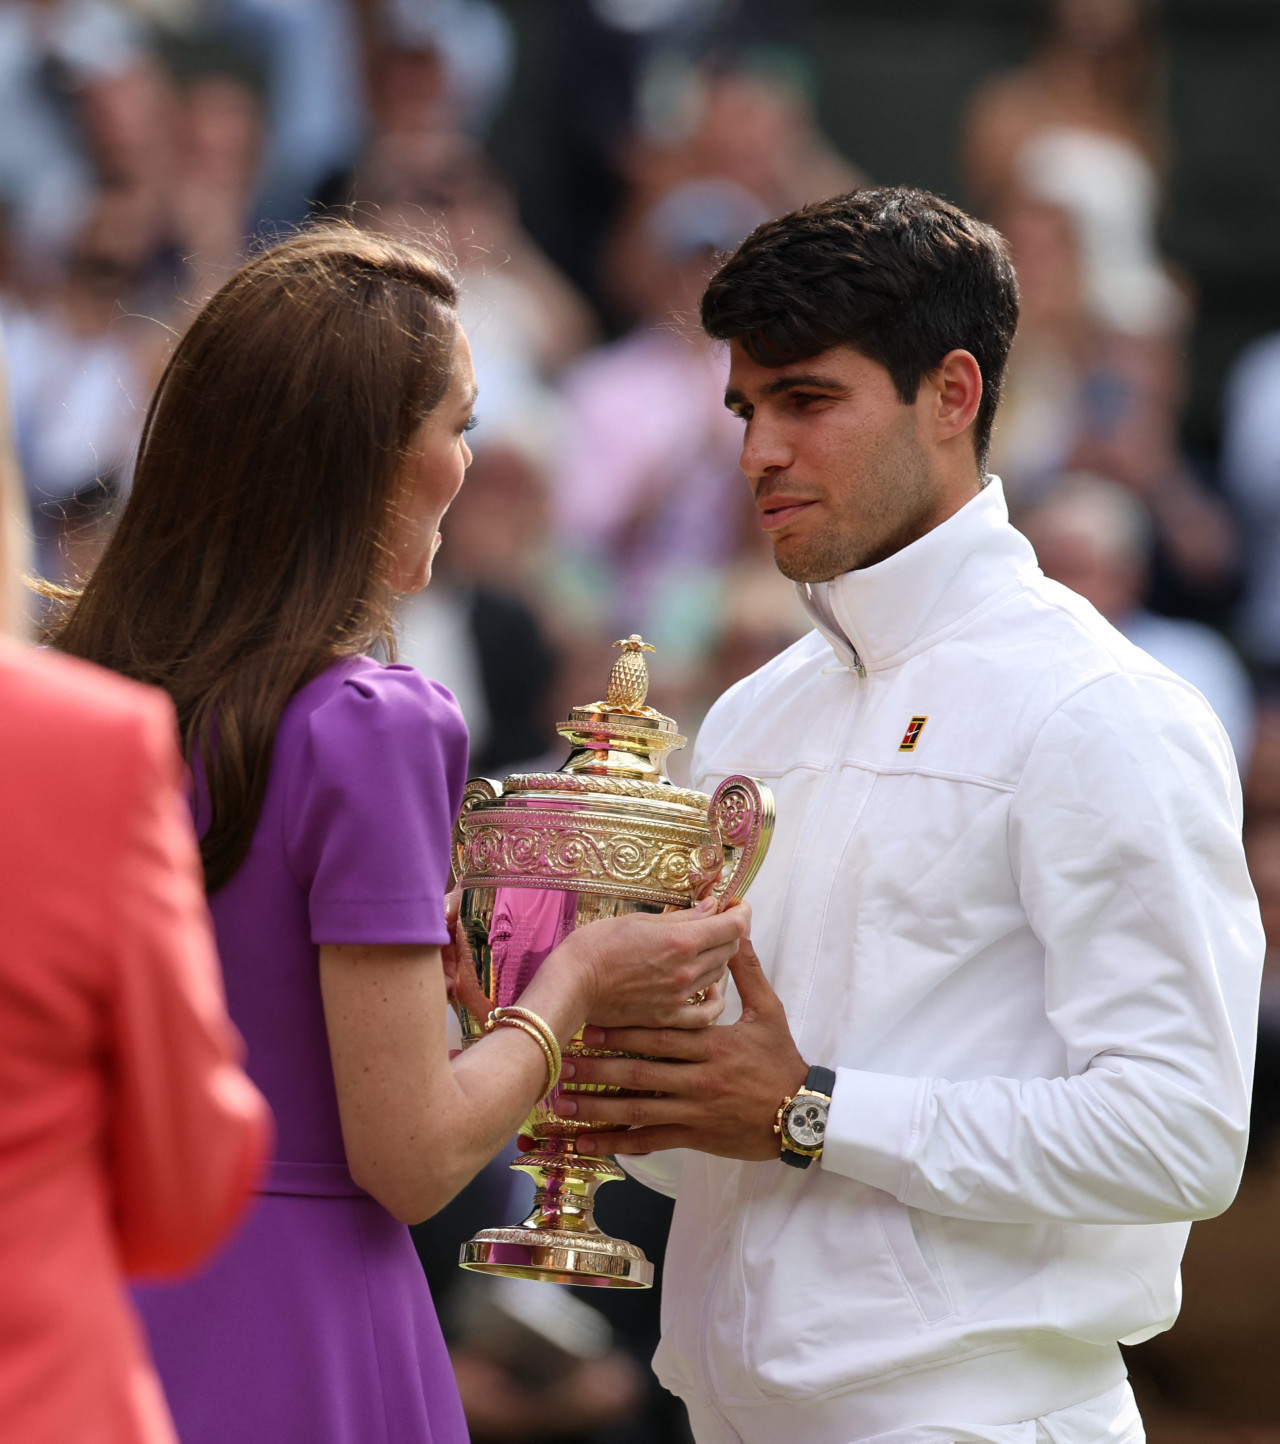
(792, 381)
(795, 380)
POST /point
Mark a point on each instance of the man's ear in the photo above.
(955, 388)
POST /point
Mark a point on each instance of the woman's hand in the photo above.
(644, 970)
(462, 985)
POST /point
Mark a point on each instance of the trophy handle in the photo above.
(479, 789)
(741, 815)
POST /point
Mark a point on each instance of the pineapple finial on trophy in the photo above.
(629, 679)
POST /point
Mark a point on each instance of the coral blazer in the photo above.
(129, 1136)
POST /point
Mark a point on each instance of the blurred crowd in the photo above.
(144, 146)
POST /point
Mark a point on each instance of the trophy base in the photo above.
(559, 1242)
(592, 1260)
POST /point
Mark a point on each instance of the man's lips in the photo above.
(778, 512)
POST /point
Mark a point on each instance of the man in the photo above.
(1006, 913)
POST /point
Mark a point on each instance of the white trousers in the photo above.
(1111, 1418)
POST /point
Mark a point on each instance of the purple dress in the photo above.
(315, 1325)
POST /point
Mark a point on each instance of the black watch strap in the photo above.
(819, 1080)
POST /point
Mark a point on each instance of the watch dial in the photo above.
(806, 1123)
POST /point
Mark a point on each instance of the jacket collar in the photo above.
(876, 617)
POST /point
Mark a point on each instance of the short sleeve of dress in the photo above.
(376, 784)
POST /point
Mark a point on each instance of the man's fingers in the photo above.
(644, 1075)
(748, 976)
(623, 1112)
(636, 1141)
(689, 1045)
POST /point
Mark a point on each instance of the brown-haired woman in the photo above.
(301, 449)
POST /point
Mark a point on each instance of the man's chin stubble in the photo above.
(819, 563)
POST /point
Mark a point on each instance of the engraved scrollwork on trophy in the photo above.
(741, 815)
(479, 789)
(658, 860)
(705, 864)
(629, 859)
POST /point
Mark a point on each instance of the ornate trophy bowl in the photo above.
(545, 853)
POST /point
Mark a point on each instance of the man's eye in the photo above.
(471, 423)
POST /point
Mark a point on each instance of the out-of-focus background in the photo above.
(583, 161)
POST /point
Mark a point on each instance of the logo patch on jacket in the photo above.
(912, 735)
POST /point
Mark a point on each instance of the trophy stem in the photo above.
(559, 1241)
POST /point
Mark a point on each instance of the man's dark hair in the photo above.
(899, 275)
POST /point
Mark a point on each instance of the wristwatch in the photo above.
(802, 1121)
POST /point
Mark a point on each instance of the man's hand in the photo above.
(718, 1088)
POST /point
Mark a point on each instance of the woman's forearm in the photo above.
(417, 1127)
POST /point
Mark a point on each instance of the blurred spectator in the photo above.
(79, 381)
(648, 493)
(477, 629)
(1096, 71)
(218, 154)
(441, 65)
(1091, 389)
(750, 125)
(1251, 476)
(524, 318)
(56, 56)
(750, 122)
(311, 56)
(1043, 408)
(1094, 536)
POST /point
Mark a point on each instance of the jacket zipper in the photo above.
(822, 808)
(733, 1241)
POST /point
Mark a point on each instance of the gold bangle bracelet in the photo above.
(544, 1030)
(538, 1029)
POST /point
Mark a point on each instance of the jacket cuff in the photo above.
(872, 1126)
(658, 1171)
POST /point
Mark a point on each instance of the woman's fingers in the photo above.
(702, 1009)
(452, 907)
(707, 932)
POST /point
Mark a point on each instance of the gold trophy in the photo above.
(547, 852)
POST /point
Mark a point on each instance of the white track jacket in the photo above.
(1007, 902)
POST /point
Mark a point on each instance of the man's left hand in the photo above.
(717, 1089)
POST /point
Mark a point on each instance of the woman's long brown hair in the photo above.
(253, 548)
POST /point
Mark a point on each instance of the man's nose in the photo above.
(764, 450)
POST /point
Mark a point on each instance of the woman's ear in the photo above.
(956, 383)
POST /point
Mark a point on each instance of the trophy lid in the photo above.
(620, 737)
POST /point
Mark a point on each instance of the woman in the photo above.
(129, 1137)
(303, 445)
